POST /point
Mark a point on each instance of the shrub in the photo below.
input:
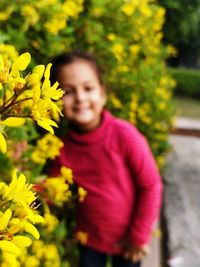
(126, 37)
(187, 81)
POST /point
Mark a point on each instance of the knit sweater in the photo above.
(116, 167)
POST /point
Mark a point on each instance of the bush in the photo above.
(187, 81)
(126, 37)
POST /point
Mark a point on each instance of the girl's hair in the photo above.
(70, 57)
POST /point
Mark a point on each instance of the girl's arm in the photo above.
(148, 188)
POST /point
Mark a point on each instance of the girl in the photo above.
(111, 159)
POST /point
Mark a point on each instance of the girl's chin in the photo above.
(85, 124)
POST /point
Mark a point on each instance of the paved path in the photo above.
(182, 199)
(182, 195)
(154, 257)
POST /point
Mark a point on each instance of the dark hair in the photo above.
(70, 57)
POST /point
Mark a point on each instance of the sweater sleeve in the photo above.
(148, 186)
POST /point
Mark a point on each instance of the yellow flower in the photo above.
(47, 147)
(71, 8)
(51, 222)
(66, 173)
(5, 218)
(57, 189)
(172, 50)
(134, 49)
(31, 261)
(13, 122)
(111, 36)
(145, 10)
(8, 52)
(82, 237)
(3, 145)
(39, 69)
(6, 13)
(118, 50)
(46, 124)
(31, 229)
(82, 193)
(21, 241)
(19, 191)
(48, 91)
(9, 247)
(20, 64)
(115, 101)
(128, 9)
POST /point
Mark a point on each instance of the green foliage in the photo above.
(126, 38)
(182, 19)
(182, 29)
(187, 81)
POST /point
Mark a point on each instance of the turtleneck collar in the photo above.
(92, 136)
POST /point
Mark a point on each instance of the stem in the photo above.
(28, 98)
(4, 97)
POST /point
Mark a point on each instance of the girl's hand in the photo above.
(134, 253)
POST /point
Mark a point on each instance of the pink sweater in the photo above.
(114, 164)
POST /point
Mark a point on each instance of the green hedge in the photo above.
(188, 81)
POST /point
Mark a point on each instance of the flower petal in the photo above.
(47, 71)
(13, 122)
(20, 63)
(46, 124)
(22, 241)
(3, 145)
(29, 228)
(8, 246)
(5, 218)
(39, 69)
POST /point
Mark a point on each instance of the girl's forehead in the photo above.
(79, 69)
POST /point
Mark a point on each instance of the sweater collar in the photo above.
(94, 135)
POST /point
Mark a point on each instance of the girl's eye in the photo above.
(89, 88)
(68, 91)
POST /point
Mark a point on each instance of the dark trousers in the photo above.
(91, 258)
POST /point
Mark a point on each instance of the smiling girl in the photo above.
(111, 159)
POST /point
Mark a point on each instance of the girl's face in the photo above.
(85, 97)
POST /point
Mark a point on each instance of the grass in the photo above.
(187, 107)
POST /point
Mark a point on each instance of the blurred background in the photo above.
(150, 54)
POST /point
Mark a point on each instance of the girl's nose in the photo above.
(80, 95)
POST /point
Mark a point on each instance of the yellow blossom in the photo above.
(13, 122)
(3, 145)
(128, 8)
(20, 64)
(82, 193)
(8, 52)
(82, 237)
(9, 247)
(67, 174)
(115, 101)
(6, 13)
(31, 229)
(39, 69)
(111, 36)
(145, 10)
(47, 147)
(19, 191)
(57, 189)
(134, 49)
(51, 222)
(118, 50)
(4, 219)
(22, 241)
